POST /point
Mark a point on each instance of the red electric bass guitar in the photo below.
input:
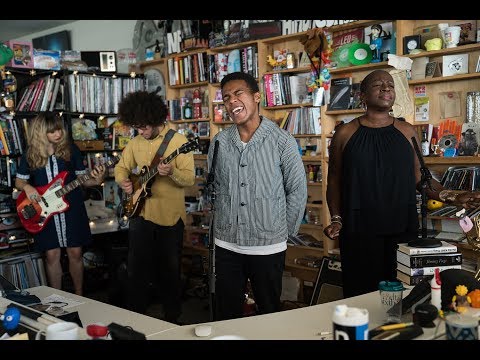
(34, 216)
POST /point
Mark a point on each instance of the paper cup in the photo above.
(62, 331)
(452, 36)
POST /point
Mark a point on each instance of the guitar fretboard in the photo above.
(80, 180)
(154, 171)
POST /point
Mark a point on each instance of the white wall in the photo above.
(92, 35)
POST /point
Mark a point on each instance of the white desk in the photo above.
(297, 324)
(93, 311)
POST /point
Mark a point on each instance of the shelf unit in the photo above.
(328, 119)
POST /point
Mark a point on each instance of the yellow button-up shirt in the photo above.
(167, 203)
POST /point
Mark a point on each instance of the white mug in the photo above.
(62, 331)
(452, 36)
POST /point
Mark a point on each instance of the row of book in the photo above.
(285, 89)
(201, 66)
(24, 271)
(99, 94)
(415, 264)
(13, 134)
(40, 95)
(303, 120)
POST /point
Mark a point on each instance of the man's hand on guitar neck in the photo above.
(98, 173)
(164, 169)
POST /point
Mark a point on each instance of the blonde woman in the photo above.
(49, 153)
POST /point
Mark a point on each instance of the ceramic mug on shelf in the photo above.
(452, 36)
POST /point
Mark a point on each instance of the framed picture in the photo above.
(432, 69)
(411, 43)
(22, 54)
(455, 64)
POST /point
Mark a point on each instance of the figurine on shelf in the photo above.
(197, 104)
(376, 42)
(461, 300)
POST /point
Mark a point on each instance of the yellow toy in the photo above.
(461, 300)
(433, 204)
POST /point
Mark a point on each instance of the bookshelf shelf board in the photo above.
(306, 135)
(200, 156)
(445, 79)
(198, 213)
(344, 112)
(366, 67)
(186, 53)
(220, 49)
(289, 106)
(447, 51)
(290, 71)
(314, 184)
(314, 206)
(457, 160)
(189, 85)
(311, 158)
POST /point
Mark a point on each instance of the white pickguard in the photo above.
(51, 203)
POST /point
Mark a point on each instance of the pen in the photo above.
(395, 326)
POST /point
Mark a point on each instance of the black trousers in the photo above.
(154, 260)
(232, 272)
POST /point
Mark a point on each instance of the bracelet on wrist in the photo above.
(336, 222)
(336, 217)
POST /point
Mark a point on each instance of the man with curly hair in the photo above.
(156, 235)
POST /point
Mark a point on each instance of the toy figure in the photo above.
(10, 318)
(461, 300)
(376, 42)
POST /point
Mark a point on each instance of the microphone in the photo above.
(211, 174)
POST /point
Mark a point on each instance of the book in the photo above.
(340, 90)
(424, 270)
(412, 280)
(445, 248)
(429, 260)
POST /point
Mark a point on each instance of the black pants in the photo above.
(232, 272)
(154, 258)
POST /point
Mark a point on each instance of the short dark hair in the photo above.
(141, 108)
(249, 79)
(367, 79)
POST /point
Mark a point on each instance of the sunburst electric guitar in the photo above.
(142, 183)
(34, 216)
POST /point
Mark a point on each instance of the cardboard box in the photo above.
(85, 145)
(22, 54)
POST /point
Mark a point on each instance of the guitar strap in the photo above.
(162, 148)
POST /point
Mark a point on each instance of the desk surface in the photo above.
(298, 324)
(92, 311)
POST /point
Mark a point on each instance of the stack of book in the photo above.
(415, 264)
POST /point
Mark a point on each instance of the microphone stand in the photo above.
(211, 246)
(426, 176)
(211, 238)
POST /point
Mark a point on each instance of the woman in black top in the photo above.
(373, 175)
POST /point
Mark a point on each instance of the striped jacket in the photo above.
(261, 190)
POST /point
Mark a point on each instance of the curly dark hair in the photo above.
(142, 108)
(249, 79)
